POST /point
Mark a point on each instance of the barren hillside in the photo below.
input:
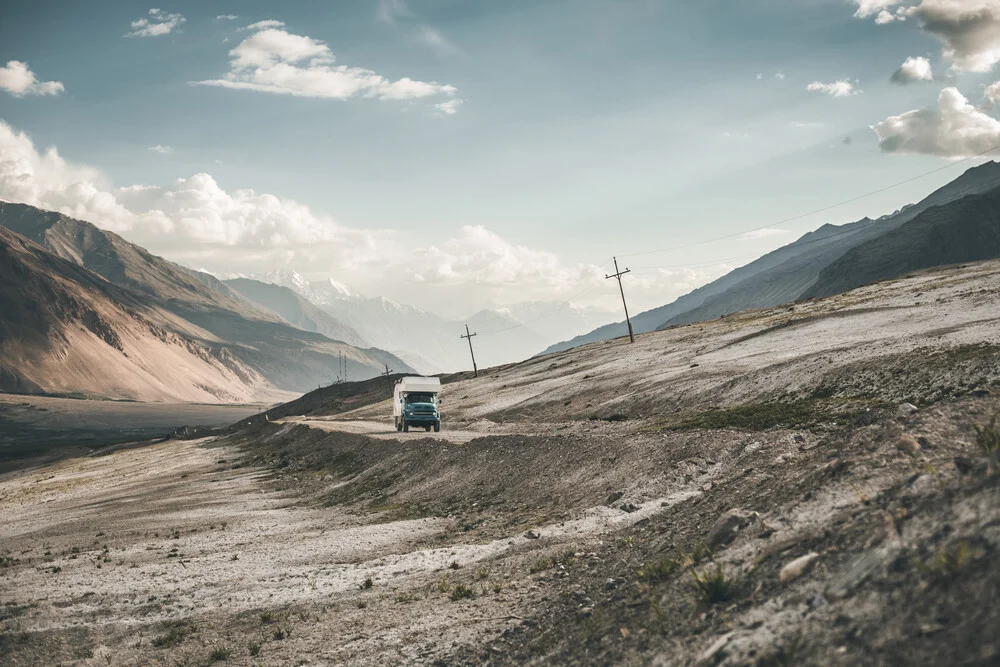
(812, 484)
(239, 351)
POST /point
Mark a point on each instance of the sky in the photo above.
(458, 155)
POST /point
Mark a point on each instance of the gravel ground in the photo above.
(576, 509)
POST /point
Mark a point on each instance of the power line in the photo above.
(645, 269)
(819, 210)
(797, 243)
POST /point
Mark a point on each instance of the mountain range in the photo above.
(955, 223)
(429, 342)
(84, 311)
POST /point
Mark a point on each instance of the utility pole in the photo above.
(387, 374)
(475, 371)
(618, 274)
(341, 373)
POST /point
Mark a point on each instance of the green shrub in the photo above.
(713, 586)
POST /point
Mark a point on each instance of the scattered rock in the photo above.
(981, 392)
(797, 567)
(532, 535)
(908, 444)
(615, 497)
(714, 653)
(629, 507)
(967, 465)
(905, 410)
(857, 571)
(706, 487)
(611, 584)
(728, 525)
(585, 612)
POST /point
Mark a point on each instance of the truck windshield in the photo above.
(419, 398)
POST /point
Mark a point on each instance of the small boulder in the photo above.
(727, 526)
(585, 612)
(905, 410)
(797, 567)
(629, 507)
(532, 535)
(615, 497)
(908, 444)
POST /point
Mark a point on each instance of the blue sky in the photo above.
(580, 130)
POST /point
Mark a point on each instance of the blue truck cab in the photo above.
(416, 403)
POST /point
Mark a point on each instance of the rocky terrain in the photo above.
(809, 484)
(955, 223)
(86, 313)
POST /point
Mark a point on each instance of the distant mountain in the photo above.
(188, 304)
(295, 309)
(789, 272)
(963, 231)
(66, 330)
(432, 343)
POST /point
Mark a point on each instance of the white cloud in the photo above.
(18, 80)
(992, 92)
(279, 62)
(913, 70)
(448, 108)
(196, 222)
(841, 88)
(226, 17)
(956, 129)
(263, 25)
(163, 150)
(969, 29)
(762, 233)
(867, 8)
(388, 11)
(156, 23)
(779, 75)
(433, 38)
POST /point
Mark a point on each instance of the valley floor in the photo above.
(804, 485)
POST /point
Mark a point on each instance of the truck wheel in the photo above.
(395, 423)
(437, 427)
(427, 428)
(406, 427)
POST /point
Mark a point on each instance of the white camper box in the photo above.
(412, 384)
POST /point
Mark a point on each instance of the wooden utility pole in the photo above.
(341, 373)
(475, 371)
(387, 375)
(618, 274)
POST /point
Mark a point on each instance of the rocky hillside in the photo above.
(65, 330)
(789, 273)
(964, 231)
(184, 304)
(813, 484)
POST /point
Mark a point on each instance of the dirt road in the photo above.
(381, 430)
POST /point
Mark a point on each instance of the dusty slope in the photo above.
(967, 230)
(783, 275)
(553, 538)
(267, 355)
(65, 330)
